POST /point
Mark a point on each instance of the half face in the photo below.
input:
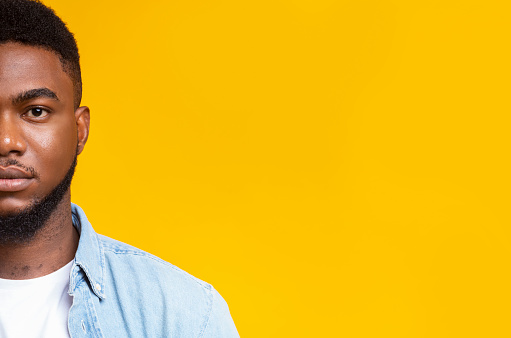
(40, 131)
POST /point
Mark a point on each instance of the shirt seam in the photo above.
(210, 311)
(114, 250)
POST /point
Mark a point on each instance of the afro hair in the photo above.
(30, 22)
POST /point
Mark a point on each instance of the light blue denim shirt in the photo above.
(121, 291)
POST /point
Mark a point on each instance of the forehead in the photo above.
(25, 67)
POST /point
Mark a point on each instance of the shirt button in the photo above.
(98, 286)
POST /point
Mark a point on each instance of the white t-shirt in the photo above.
(36, 307)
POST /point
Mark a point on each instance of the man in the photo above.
(58, 278)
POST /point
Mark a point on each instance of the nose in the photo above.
(11, 138)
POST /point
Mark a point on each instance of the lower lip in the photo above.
(15, 184)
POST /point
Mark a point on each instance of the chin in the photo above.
(11, 207)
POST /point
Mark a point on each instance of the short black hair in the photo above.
(30, 22)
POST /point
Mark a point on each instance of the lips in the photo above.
(14, 179)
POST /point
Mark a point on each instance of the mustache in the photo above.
(16, 163)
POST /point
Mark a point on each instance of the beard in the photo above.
(22, 226)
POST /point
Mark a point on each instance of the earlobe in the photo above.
(82, 116)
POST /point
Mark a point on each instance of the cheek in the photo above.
(53, 152)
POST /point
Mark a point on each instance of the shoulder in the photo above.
(141, 285)
(139, 294)
(121, 256)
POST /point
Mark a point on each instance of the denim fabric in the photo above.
(121, 291)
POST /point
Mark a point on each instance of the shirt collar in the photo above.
(89, 256)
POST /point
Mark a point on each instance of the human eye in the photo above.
(36, 113)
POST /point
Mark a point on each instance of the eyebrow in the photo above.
(34, 94)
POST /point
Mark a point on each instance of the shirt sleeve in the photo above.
(220, 323)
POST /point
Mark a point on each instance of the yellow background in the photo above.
(333, 168)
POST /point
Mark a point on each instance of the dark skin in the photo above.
(41, 129)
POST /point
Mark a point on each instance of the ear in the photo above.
(82, 117)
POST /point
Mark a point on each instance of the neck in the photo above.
(53, 246)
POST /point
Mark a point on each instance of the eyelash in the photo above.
(31, 109)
